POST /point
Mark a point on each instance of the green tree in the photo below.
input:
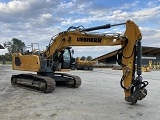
(83, 58)
(8, 57)
(89, 58)
(14, 45)
(2, 57)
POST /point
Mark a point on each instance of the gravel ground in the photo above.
(100, 97)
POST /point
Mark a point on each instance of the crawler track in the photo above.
(34, 81)
(44, 83)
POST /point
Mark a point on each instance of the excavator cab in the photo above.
(66, 59)
(61, 60)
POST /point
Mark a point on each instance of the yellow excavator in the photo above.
(82, 64)
(58, 53)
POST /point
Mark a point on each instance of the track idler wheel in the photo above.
(74, 83)
(13, 81)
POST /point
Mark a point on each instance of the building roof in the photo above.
(145, 50)
(1, 47)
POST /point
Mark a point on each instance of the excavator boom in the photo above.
(58, 53)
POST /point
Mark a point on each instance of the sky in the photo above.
(36, 21)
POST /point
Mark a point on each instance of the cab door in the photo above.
(66, 64)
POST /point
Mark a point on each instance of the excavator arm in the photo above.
(130, 42)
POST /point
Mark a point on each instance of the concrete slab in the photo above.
(100, 97)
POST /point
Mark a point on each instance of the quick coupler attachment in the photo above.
(136, 95)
